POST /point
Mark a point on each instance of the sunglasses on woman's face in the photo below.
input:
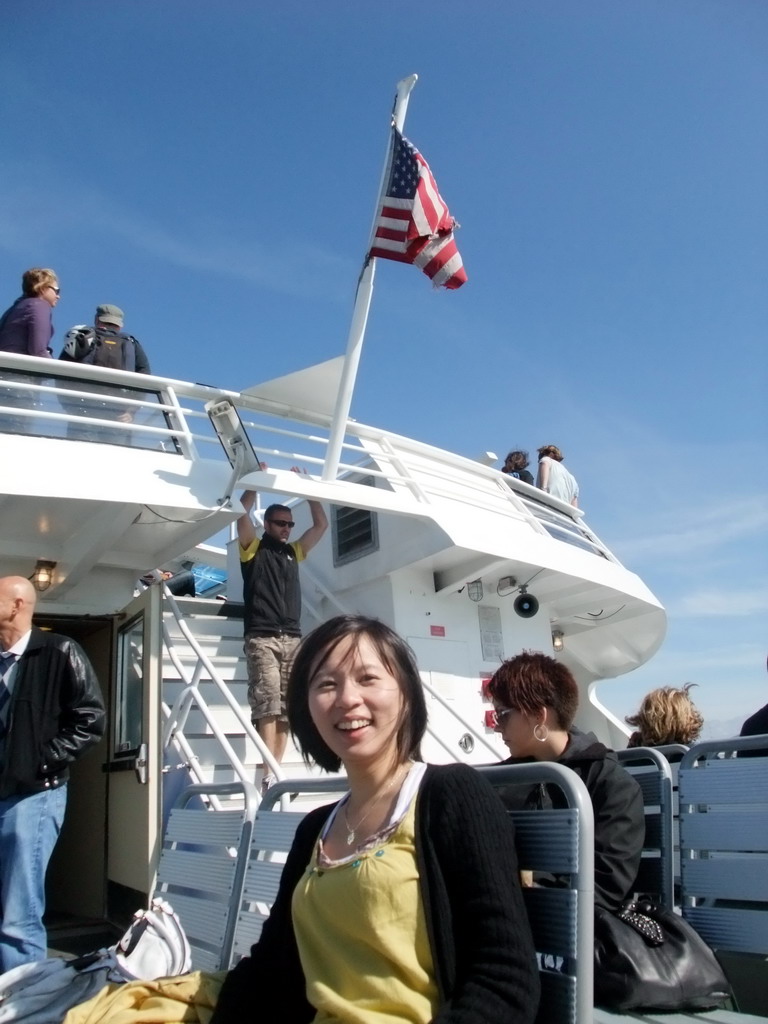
(55, 288)
(499, 714)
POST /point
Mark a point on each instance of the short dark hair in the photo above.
(517, 460)
(271, 509)
(531, 681)
(395, 654)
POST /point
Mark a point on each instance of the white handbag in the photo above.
(154, 946)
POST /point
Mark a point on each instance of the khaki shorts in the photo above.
(269, 660)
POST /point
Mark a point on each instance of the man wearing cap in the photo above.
(108, 346)
(119, 351)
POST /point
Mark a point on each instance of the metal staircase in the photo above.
(207, 729)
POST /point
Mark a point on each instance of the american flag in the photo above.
(413, 224)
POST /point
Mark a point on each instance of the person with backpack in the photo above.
(106, 345)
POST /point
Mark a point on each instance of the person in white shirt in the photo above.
(554, 478)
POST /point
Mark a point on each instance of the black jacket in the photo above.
(478, 929)
(56, 712)
(617, 802)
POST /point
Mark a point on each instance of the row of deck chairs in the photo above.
(221, 869)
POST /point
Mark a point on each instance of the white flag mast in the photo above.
(362, 303)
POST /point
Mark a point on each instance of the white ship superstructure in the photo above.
(438, 545)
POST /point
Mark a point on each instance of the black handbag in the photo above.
(648, 958)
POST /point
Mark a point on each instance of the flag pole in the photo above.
(362, 306)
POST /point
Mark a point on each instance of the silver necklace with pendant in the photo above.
(352, 830)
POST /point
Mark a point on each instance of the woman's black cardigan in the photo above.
(478, 929)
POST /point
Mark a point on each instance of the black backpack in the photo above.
(114, 350)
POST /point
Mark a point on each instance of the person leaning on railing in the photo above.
(26, 327)
(554, 478)
(104, 345)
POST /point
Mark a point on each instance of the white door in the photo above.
(134, 794)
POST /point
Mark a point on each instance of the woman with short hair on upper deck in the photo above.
(26, 327)
(536, 699)
(400, 902)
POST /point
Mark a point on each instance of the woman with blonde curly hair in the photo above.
(666, 715)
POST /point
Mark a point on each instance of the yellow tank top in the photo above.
(362, 936)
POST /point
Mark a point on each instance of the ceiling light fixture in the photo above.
(42, 577)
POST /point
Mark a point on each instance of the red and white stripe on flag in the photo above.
(413, 224)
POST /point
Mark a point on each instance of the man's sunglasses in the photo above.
(283, 522)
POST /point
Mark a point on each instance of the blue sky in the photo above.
(212, 168)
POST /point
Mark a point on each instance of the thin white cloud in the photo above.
(689, 664)
(694, 529)
(287, 266)
(715, 601)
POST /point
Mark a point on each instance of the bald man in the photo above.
(50, 712)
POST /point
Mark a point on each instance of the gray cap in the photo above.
(110, 315)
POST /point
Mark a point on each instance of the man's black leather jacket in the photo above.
(56, 713)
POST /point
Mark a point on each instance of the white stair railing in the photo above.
(191, 694)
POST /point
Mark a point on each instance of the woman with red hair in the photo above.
(536, 699)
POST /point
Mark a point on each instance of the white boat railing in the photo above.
(63, 400)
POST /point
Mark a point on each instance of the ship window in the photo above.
(355, 531)
(130, 687)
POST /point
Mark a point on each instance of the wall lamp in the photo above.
(557, 640)
(42, 577)
(475, 590)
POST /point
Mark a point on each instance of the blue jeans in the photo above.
(29, 828)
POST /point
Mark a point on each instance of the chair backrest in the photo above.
(724, 843)
(202, 867)
(673, 752)
(561, 842)
(652, 771)
(273, 832)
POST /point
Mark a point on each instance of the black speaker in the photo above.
(526, 606)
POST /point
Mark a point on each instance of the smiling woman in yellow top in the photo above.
(400, 903)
